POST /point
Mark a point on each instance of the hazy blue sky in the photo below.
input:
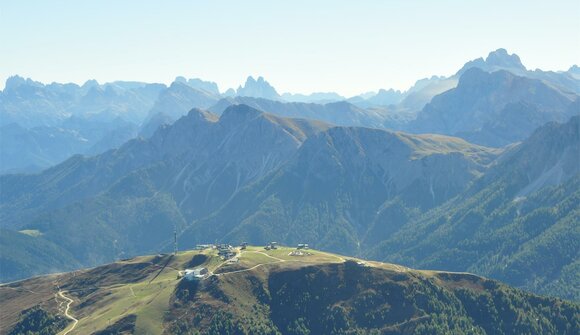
(299, 46)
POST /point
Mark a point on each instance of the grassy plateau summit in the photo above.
(257, 290)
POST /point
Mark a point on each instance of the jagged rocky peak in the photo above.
(15, 81)
(181, 87)
(425, 82)
(180, 79)
(230, 92)
(574, 71)
(499, 59)
(199, 84)
(502, 58)
(387, 97)
(97, 92)
(90, 84)
(259, 88)
(389, 91)
(178, 84)
(189, 92)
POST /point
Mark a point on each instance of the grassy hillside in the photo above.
(273, 292)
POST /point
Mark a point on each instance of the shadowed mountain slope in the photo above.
(494, 109)
(518, 223)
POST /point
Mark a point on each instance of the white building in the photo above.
(195, 274)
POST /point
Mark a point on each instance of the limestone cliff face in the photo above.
(517, 223)
(497, 60)
(496, 108)
(339, 113)
(210, 164)
(549, 157)
(258, 88)
(179, 98)
(199, 158)
(341, 181)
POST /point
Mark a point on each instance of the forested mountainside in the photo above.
(249, 175)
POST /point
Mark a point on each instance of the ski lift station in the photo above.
(196, 274)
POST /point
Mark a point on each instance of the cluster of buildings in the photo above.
(225, 251)
(228, 253)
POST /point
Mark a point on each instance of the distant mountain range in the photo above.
(339, 113)
(34, 149)
(494, 109)
(31, 104)
(318, 97)
(474, 172)
(254, 176)
(37, 115)
(208, 86)
(42, 125)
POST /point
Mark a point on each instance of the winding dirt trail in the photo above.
(245, 270)
(277, 260)
(75, 321)
(269, 256)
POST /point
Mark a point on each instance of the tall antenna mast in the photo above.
(174, 240)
